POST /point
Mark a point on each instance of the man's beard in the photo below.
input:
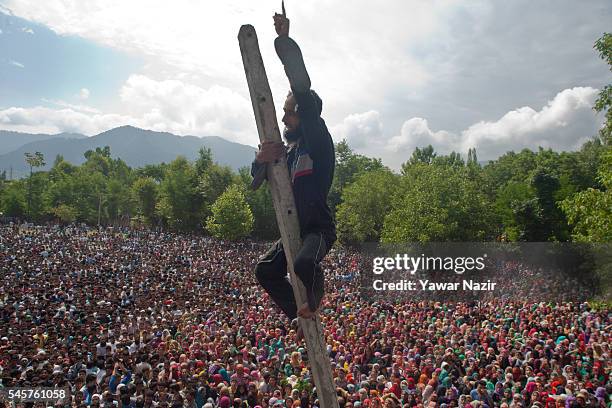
(292, 135)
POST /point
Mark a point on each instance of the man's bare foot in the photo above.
(305, 312)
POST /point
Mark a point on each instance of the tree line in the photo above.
(526, 196)
(181, 195)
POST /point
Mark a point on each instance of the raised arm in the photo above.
(290, 55)
(309, 105)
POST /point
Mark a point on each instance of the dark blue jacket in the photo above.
(312, 161)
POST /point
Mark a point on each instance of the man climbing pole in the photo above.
(299, 188)
(311, 160)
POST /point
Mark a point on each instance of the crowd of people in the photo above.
(139, 318)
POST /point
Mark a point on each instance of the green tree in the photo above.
(89, 192)
(13, 200)
(231, 216)
(154, 171)
(553, 222)
(60, 168)
(3, 185)
(348, 166)
(590, 211)
(425, 155)
(365, 203)
(145, 192)
(438, 203)
(210, 185)
(260, 202)
(214, 181)
(603, 103)
(118, 200)
(37, 207)
(589, 159)
(510, 167)
(34, 160)
(508, 203)
(204, 161)
(98, 160)
(61, 189)
(453, 159)
(179, 201)
(530, 211)
(472, 158)
(65, 213)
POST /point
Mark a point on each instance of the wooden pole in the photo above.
(286, 213)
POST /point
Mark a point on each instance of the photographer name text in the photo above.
(426, 285)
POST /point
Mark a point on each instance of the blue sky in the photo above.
(395, 75)
(38, 65)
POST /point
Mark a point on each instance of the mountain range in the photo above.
(10, 141)
(137, 147)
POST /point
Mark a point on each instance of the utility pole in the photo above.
(286, 212)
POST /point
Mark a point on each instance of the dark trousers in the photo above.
(271, 270)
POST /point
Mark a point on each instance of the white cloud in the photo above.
(175, 106)
(359, 129)
(46, 120)
(168, 105)
(363, 48)
(16, 64)
(83, 93)
(415, 132)
(565, 123)
(78, 108)
(27, 30)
